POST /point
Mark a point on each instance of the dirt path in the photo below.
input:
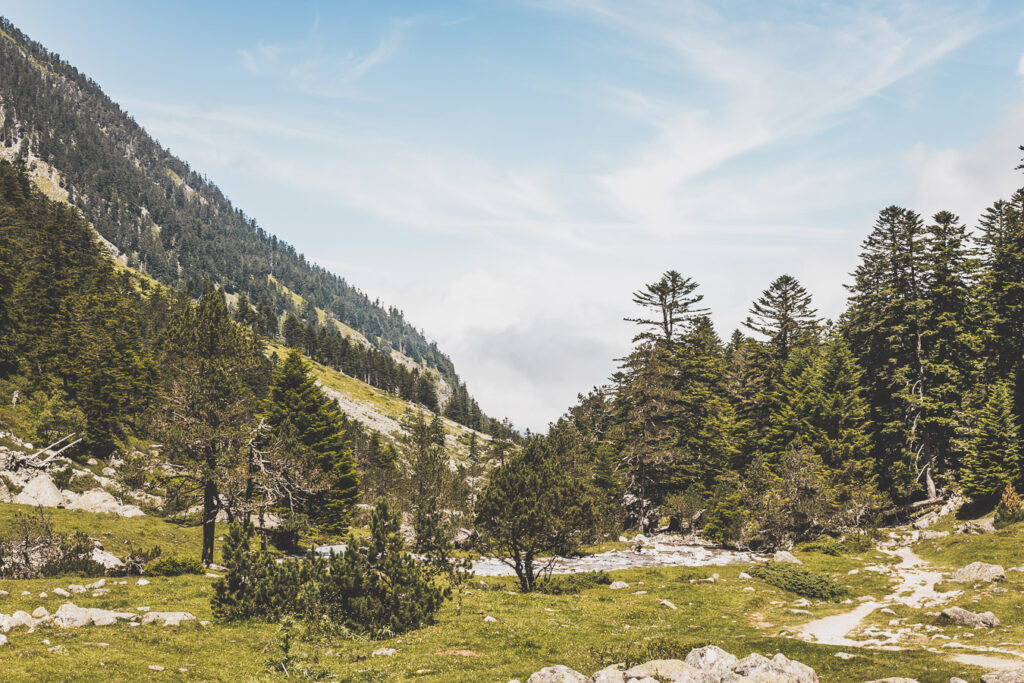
(916, 589)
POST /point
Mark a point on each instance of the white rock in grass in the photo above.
(618, 585)
(3, 640)
(168, 618)
(108, 560)
(142, 582)
(490, 620)
(668, 603)
(558, 674)
(785, 556)
(384, 652)
(61, 592)
(40, 612)
(75, 588)
(40, 491)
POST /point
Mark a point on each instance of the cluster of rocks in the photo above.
(979, 572)
(70, 615)
(709, 664)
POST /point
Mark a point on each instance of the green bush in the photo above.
(34, 550)
(572, 584)
(84, 483)
(374, 587)
(798, 580)
(1010, 509)
(826, 545)
(173, 566)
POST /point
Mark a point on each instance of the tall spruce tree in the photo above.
(298, 408)
(783, 314)
(992, 460)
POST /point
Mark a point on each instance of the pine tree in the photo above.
(993, 459)
(296, 406)
(783, 314)
(671, 302)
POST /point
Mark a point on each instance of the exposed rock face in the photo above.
(98, 500)
(929, 535)
(785, 556)
(40, 491)
(69, 615)
(19, 618)
(108, 560)
(618, 585)
(1006, 676)
(610, 674)
(168, 618)
(659, 668)
(964, 617)
(558, 674)
(755, 667)
(979, 572)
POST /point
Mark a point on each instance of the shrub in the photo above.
(62, 477)
(572, 584)
(798, 580)
(173, 566)
(84, 483)
(34, 550)
(1010, 509)
(826, 545)
(375, 586)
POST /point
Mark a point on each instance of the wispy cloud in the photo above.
(1020, 66)
(314, 66)
(764, 77)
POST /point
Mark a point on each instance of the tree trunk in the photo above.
(209, 519)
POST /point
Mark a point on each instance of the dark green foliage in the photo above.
(297, 409)
(992, 461)
(374, 587)
(173, 566)
(799, 580)
(571, 584)
(531, 506)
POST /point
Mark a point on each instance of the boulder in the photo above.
(610, 674)
(384, 652)
(19, 618)
(142, 582)
(894, 679)
(712, 659)
(108, 560)
(3, 640)
(796, 672)
(979, 572)
(659, 668)
(1004, 676)
(958, 615)
(618, 585)
(76, 588)
(96, 500)
(930, 535)
(61, 592)
(558, 674)
(668, 603)
(979, 526)
(40, 612)
(40, 491)
(167, 618)
(70, 615)
(785, 556)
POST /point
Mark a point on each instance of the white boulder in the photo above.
(40, 491)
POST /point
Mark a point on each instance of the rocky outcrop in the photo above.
(980, 526)
(1004, 676)
(108, 560)
(40, 490)
(709, 664)
(959, 615)
(979, 572)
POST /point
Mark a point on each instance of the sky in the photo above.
(509, 172)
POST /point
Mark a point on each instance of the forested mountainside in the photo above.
(177, 226)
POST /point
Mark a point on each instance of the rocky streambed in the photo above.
(666, 550)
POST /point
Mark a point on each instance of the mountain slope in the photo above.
(166, 219)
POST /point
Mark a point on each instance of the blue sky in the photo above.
(508, 172)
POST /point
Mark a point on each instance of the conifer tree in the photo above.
(297, 407)
(783, 314)
(993, 458)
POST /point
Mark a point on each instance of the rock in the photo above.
(69, 615)
(895, 679)
(99, 583)
(40, 612)
(384, 652)
(979, 526)
(954, 679)
(40, 491)
(886, 610)
(756, 667)
(100, 591)
(785, 556)
(490, 620)
(977, 572)
(61, 592)
(932, 535)
(43, 595)
(557, 674)
(155, 667)
(712, 659)
(660, 668)
(845, 655)
(3, 640)
(618, 585)
(97, 500)
(667, 603)
(610, 674)
(167, 618)
(964, 617)
(622, 539)
(745, 576)
(75, 588)
(108, 560)
(1004, 676)
(142, 582)
(108, 472)
(12, 621)
(92, 462)
(3, 593)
